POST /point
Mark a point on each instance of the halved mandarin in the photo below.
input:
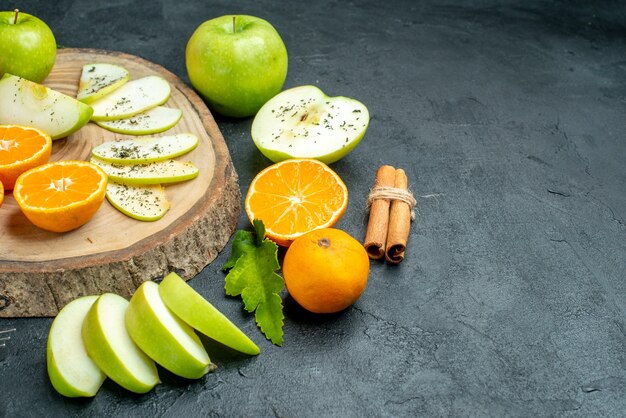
(62, 195)
(21, 148)
(294, 197)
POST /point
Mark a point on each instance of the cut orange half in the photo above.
(294, 197)
(21, 148)
(1, 193)
(62, 195)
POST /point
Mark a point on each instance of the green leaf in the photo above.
(254, 262)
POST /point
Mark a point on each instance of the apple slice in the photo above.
(145, 150)
(168, 171)
(23, 102)
(164, 337)
(303, 122)
(133, 97)
(152, 121)
(99, 79)
(71, 371)
(144, 203)
(111, 348)
(196, 311)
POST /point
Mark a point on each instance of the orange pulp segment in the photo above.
(294, 197)
(62, 195)
(21, 148)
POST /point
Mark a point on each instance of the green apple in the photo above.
(111, 348)
(164, 337)
(132, 98)
(145, 150)
(99, 79)
(303, 122)
(72, 372)
(168, 171)
(27, 46)
(152, 121)
(237, 63)
(144, 203)
(23, 102)
(196, 311)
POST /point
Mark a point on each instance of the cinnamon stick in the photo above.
(399, 222)
(378, 223)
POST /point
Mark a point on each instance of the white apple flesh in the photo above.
(144, 203)
(72, 372)
(132, 98)
(303, 122)
(111, 348)
(155, 120)
(99, 79)
(168, 171)
(23, 102)
(196, 311)
(164, 337)
(145, 150)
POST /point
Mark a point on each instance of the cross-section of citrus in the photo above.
(294, 197)
(62, 195)
(21, 148)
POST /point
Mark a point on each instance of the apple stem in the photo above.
(234, 24)
(17, 12)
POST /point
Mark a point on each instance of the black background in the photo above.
(512, 299)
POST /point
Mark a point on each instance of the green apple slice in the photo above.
(164, 337)
(196, 311)
(23, 102)
(133, 97)
(111, 348)
(71, 371)
(99, 79)
(145, 150)
(168, 171)
(303, 122)
(145, 203)
(152, 121)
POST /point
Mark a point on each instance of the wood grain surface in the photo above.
(41, 271)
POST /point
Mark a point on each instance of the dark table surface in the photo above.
(512, 299)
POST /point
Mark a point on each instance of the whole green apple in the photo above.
(237, 63)
(27, 46)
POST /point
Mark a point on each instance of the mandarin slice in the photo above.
(21, 148)
(62, 195)
(294, 197)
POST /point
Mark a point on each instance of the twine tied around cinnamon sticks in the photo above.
(391, 212)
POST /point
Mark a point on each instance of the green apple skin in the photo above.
(236, 72)
(111, 348)
(164, 337)
(71, 371)
(23, 102)
(27, 48)
(196, 311)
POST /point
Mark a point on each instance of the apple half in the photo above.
(302, 122)
(111, 348)
(145, 203)
(23, 102)
(132, 98)
(196, 311)
(145, 150)
(163, 336)
(155, 120)
(72, 372)
(99, 79)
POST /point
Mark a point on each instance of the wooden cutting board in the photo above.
(41, 271)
